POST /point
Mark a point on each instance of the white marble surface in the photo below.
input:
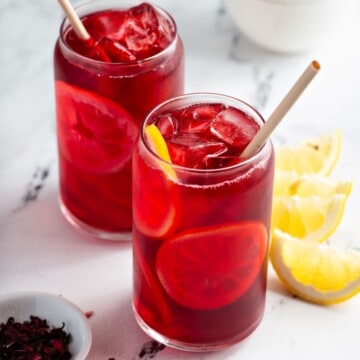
(40, 251)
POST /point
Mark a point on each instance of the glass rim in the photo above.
(205, 96)
(65, 25)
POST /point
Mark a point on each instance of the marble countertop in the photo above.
(39, 250)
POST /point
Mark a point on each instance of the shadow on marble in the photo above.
(274, 285)
(115, 331)
(39, 230)
(116, 334)
(42, 213)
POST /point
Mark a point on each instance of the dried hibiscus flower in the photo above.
(33, 340)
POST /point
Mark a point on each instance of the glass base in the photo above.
(99, 233)
(180, 345)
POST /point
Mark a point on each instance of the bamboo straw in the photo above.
(74, 20)
(279, 113)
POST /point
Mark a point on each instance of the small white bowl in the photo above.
(289, 26)
(56, 310)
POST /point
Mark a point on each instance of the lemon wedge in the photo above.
(319, 273)
(157, 143)
(314, 155)
(290, 183)
(313, 217)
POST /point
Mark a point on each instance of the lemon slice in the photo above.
(291, 183)
(315, 155)
(315, 272)
(313, 217)
(158, 144)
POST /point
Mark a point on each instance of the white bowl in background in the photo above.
(56, 310)
(290, 26)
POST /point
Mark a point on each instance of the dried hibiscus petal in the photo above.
(33, 339)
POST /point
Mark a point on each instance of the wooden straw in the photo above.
(285, 105)
(74, 20)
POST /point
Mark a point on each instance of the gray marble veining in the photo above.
(39, 250)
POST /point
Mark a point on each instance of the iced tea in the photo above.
(104, 89)
(201, 223)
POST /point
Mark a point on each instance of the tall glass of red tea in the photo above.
(201, 222)
(104, 88)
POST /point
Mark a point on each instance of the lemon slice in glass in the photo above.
(314, 155)
(158, 145)
(314, 217)
(319, 273)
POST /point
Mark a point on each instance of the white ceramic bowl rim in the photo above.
(53, 308)
(289, 26)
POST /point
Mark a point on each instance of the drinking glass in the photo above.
(100, 105)
(201, 233)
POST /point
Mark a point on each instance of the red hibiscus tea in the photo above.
(103, 90)
(201, 222)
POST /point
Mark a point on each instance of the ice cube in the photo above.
(145, 15)
(201, 126)
(234, 127)
(198, 118)
(145, 32)
(115, 50)
(135, 34)
(202, 111)
(137, 39)
(149, 19)
(167, 124)
(190, 150)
